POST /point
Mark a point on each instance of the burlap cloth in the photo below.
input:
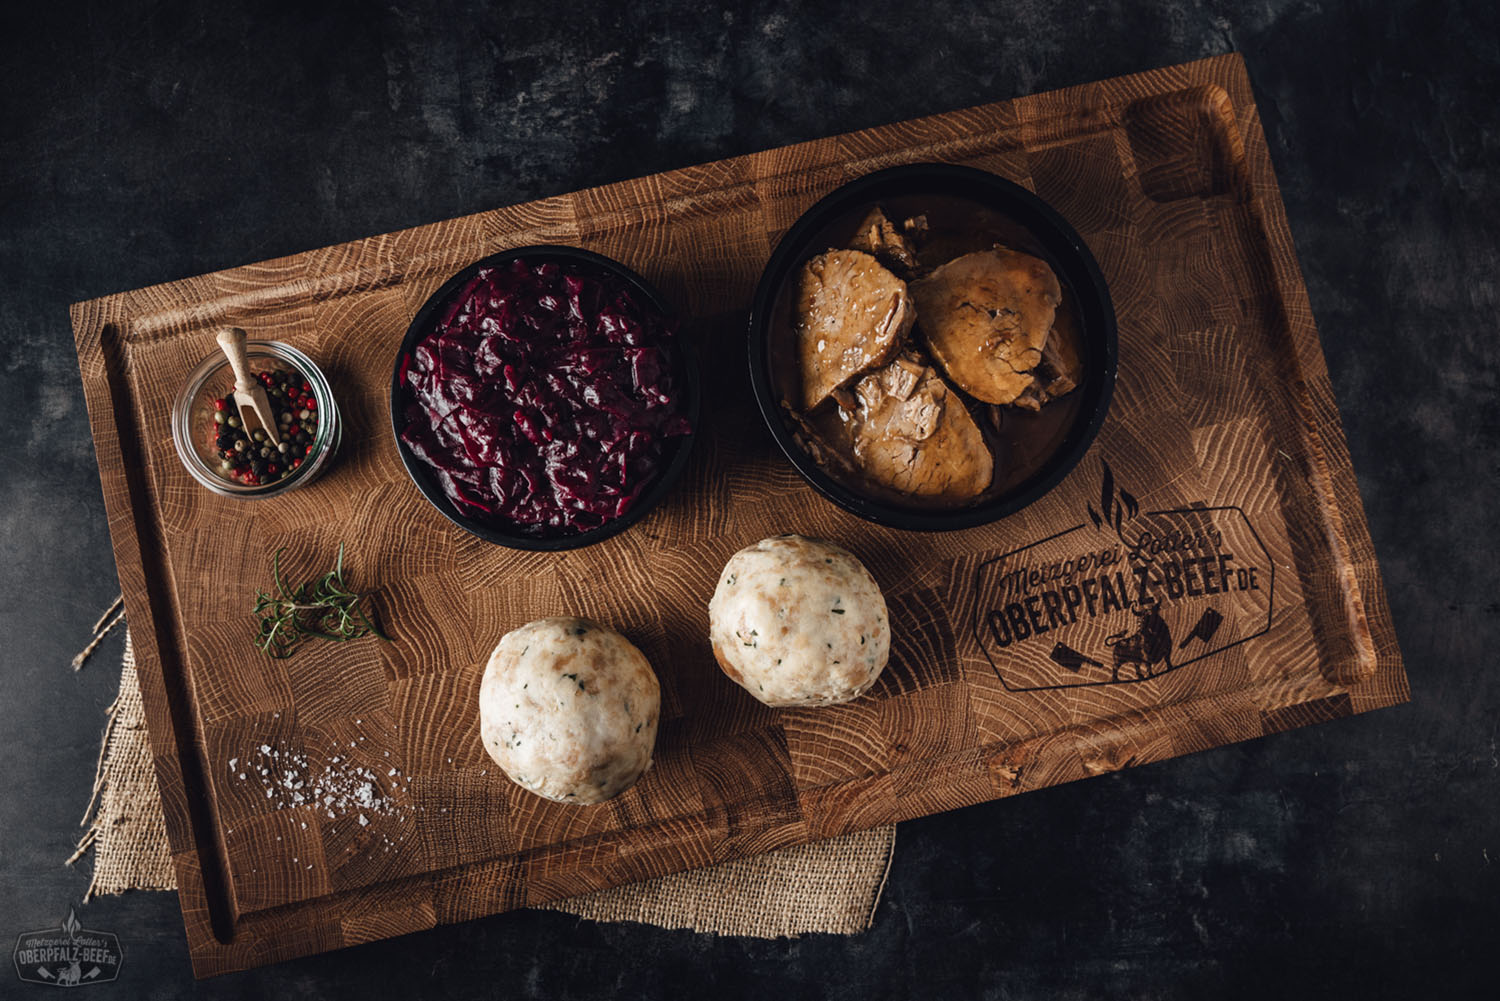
(830, 886)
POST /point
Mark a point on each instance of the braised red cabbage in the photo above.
(544, 397)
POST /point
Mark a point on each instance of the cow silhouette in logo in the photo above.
(71, 976)
(1148, 648)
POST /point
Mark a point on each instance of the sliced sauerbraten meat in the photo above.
(851, 316)
(1061, 368)
(986, 317)
(892, 245)
(910, 433)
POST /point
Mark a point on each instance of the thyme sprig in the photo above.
(325, 608)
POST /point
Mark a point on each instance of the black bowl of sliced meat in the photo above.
(543, 399)
(933, 347)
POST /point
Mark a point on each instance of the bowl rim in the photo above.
(325, 443)
(1067, 250)
(420, 473)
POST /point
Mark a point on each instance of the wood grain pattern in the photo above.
(343, 796)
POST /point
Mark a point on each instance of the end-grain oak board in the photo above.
(1204, 576)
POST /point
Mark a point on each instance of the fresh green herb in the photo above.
(325, 608)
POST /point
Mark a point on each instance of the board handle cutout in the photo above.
(1187, 144)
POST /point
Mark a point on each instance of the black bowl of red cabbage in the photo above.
(544, 399)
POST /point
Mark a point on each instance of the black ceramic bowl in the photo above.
(1047, 235)
(678, 448)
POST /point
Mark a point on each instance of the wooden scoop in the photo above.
(249, 394)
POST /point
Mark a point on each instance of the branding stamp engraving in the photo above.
(1126, 596)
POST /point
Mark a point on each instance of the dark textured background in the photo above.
(1356, 858)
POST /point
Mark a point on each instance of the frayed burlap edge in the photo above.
(126, 827)
(829, 886)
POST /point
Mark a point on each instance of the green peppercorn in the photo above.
(233, 422)
(240, 445)
(219, 417)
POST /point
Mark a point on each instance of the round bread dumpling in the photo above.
(568, 709)
(799, 622)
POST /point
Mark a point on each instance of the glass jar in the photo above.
(193, 423)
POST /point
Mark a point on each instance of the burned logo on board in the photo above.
(1125, 596)
(68, 955)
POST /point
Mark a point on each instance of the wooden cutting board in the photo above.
(1204, 576)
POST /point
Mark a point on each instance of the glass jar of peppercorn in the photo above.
(231, 453)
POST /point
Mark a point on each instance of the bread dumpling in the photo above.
(799, 622)
(568, 709)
